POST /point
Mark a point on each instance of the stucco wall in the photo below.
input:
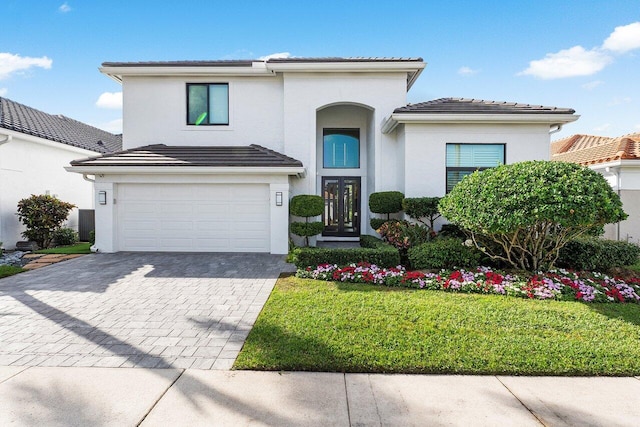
(425, 150)
(29, 167)
(624, 179)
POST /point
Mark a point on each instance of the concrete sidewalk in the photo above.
(158, 397)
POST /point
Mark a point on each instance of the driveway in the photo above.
(152, 310)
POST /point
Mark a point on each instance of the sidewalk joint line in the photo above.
(521, 402)
(16, 374)
(346, 395)
(160, 398)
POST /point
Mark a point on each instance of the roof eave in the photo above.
(299, 171)
(118, 72)
(552, 119)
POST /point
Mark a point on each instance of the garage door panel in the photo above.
(194, 217)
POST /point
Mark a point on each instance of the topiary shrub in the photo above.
(597, 254)
(444, 253)
(385, 202)
(377, 222)
(530, 210)
(422, 209)
(306, 206)
(383, 256)
(42, 215)
(65, 237)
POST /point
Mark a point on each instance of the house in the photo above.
(213, 150)
(34, 149)
(618, 160)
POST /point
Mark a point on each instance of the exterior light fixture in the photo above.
(278, 198)
(102, 197)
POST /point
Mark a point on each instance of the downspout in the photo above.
(556, 130)
(86, 178)
(7, 139)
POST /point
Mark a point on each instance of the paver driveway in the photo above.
(135, 310)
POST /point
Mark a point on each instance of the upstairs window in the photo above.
(207, 104)
(341, 148)
(464, 159)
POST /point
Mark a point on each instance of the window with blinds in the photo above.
(464, 159)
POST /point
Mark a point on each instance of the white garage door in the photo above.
(193, 217)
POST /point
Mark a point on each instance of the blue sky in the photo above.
(579, 54)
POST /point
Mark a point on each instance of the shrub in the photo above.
(92, 237)
(377, 222)
(422, 209)
(452, 230)
(65, 237)
(530, 210)
(385, 202)
(306, 206)
(597, 254)
(402, 234)
(444, 253)
(383, 255)
(42, 215)
(372, 242)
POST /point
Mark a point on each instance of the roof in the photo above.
(590, 149)
(249, 62)
(198, 156)
(20, 118)
(478, 106)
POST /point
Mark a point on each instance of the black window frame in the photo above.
(188, 85)
(469, 168)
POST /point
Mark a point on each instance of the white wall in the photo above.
(625, 180)
(425, 150)
(30, 165)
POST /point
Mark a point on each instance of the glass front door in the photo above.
(341, 215)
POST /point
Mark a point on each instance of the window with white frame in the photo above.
(207, 104)
(464, 159)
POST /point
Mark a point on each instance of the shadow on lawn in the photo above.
(627, 312)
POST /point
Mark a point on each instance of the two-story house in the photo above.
(215, 149)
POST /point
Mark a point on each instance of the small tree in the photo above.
(527, 211)
(306, 206)
(42, 215)
(384, 202)
(422, 209)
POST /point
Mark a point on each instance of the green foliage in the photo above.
(531, 209)
(422, 209)
(64, 236)
(42, 215)
(92, 237)
(386, 202)
(9, 270)
(597, 254)
(306, 229)
(373, 242)
(444, 253)
(377, 222)
(403, 235)
(383, 256)
(452, 230)
(78, 248)
(306, 205)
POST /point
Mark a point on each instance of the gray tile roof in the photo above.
(58, 128)
(248, 62)
(170, 155)
(478, 106)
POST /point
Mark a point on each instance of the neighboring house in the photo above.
(34, 149)
(618, 160)
(215, 149)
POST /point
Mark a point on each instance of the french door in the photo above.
(341, 215)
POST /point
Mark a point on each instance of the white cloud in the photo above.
(602, 127)
(64, 7)
(114, 126)
(279, 55)
(619, 100)
(10, 63)
(3, 91)
(576, 61)
(111, 100)
(624, 38)
(467, 71)
(592, 85)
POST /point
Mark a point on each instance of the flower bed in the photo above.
(556, 284)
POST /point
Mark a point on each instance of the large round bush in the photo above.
(527, 211)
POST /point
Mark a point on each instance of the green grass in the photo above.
(323, 326)
(9, 270)
(78, 248)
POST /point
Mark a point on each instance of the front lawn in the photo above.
(78, 248)
(9, 270)
(314, 325)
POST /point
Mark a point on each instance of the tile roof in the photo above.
(479, 106)
(20, 118)
(590, 149)
(170, 155)
(248, 62)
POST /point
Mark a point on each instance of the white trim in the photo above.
(628, 163)
(187, 170)
(116, 73)
(49, 143)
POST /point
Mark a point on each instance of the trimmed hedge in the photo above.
(377, 222)
(443, 253)
(306, 228)
(374, 251)
(386, 202)
(65, 237)
(597, 254)
(306, 205)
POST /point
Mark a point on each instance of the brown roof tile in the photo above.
(590, 149)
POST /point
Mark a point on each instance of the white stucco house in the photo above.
(214, 150)
(618, 160)
(35, 147)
